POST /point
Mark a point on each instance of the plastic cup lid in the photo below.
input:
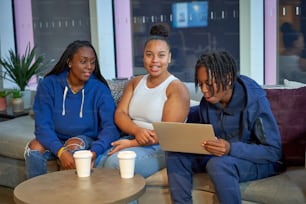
(82, 154)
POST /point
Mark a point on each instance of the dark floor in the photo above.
(6, 195)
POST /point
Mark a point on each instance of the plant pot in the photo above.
(26, 96)
(17, 105)
(2, 103)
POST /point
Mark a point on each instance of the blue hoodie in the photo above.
(247, 123)
(60, 114)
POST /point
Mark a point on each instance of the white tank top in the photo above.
(147, 104)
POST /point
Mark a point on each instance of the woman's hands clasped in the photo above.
(143, 137)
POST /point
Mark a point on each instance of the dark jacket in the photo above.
(247, 122)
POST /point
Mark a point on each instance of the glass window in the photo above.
(195, 27)
(57, 23)
(292, 32)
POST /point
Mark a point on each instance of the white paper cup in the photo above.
(127, 163)
(82, 160)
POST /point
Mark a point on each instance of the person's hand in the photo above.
(67, 160)
(145, 136)
(121, 144)
(93, 158)
(218, 147)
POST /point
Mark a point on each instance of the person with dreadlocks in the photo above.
(247, 145)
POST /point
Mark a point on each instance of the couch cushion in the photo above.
(201, 181)
(15, 134)
(289, 108)
(284, 188)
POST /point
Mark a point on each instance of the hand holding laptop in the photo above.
(218, 147)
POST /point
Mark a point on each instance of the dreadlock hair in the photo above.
(72, 48)
(159, 31)
(220, 67)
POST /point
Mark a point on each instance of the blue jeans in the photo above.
(36, 162)
(149, 159)
(225, 172)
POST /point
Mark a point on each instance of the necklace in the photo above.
(74, 90)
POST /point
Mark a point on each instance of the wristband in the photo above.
(60, 152)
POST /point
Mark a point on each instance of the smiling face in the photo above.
(82, 64)
(157, 57)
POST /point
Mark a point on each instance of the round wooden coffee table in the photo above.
(103, 186)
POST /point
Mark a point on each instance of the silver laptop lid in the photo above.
(183, 137)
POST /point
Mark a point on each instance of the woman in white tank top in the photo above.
(156, 96)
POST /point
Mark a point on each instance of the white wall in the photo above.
(6, 34)
(102, 35)
(252, 39)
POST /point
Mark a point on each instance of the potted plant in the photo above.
(20, 69)
(3, 94)
(17, 101)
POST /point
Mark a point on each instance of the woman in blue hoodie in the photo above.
(247, 145)
(74, 110)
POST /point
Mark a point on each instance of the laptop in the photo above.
(183, 137)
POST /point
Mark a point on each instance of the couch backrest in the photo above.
(195, 95)
(117, 87)
(289, 108)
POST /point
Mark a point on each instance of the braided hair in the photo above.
(71, 49)
(220, 67)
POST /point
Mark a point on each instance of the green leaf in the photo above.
(20, 69)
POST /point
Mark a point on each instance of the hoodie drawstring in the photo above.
(64, 99)
(82, 104)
